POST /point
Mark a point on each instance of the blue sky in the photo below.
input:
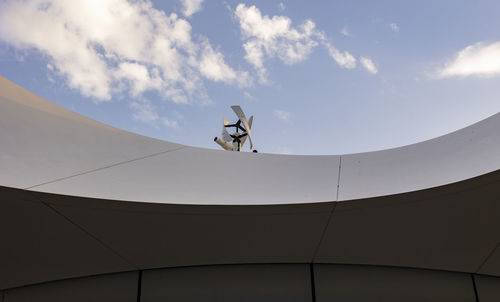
(320, 77)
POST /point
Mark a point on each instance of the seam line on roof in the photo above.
(85, 231)
(338, 178)
(475, 287)
(102, 168)
(313, 283)
(139, 286)
(487, 257)
(323, 234)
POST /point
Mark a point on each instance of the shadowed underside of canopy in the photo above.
(80, 198)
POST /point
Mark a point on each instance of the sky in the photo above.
(320, 77)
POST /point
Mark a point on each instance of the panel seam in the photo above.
(338, 178)
(487, 257)
(316, 250)
(313, 285)
(475, 288)
(106, 246)
(102, 168)
(139, 286)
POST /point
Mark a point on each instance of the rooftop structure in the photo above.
(95, 212)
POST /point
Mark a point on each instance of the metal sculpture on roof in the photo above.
(235, 141)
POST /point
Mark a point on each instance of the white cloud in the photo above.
(270, 37)
(394, 27)
(139, 77)
(368, 65)
(282, 115)
(345, 31)
(213, 67)
(191, 7)
(344, 59)
(107, 47)
(479, 59)
(273, 37)
(281, 6)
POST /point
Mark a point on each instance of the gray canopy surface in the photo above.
(80, 198)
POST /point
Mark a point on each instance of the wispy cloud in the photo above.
(281, 6)
(191, 7)
(282, 115)
(248, 95)
(213, 67)
(368, 65)
(394, 27)
(273, 37)
(169, 122)
(345, 31)
(480, 59)
(146, 112)
(270, 37)
(103, 48)
(343, 59)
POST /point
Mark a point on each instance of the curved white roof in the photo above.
(81, 198)
(50, 149)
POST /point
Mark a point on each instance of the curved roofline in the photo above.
(51, 149)
(82, 198)
(4, 82)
